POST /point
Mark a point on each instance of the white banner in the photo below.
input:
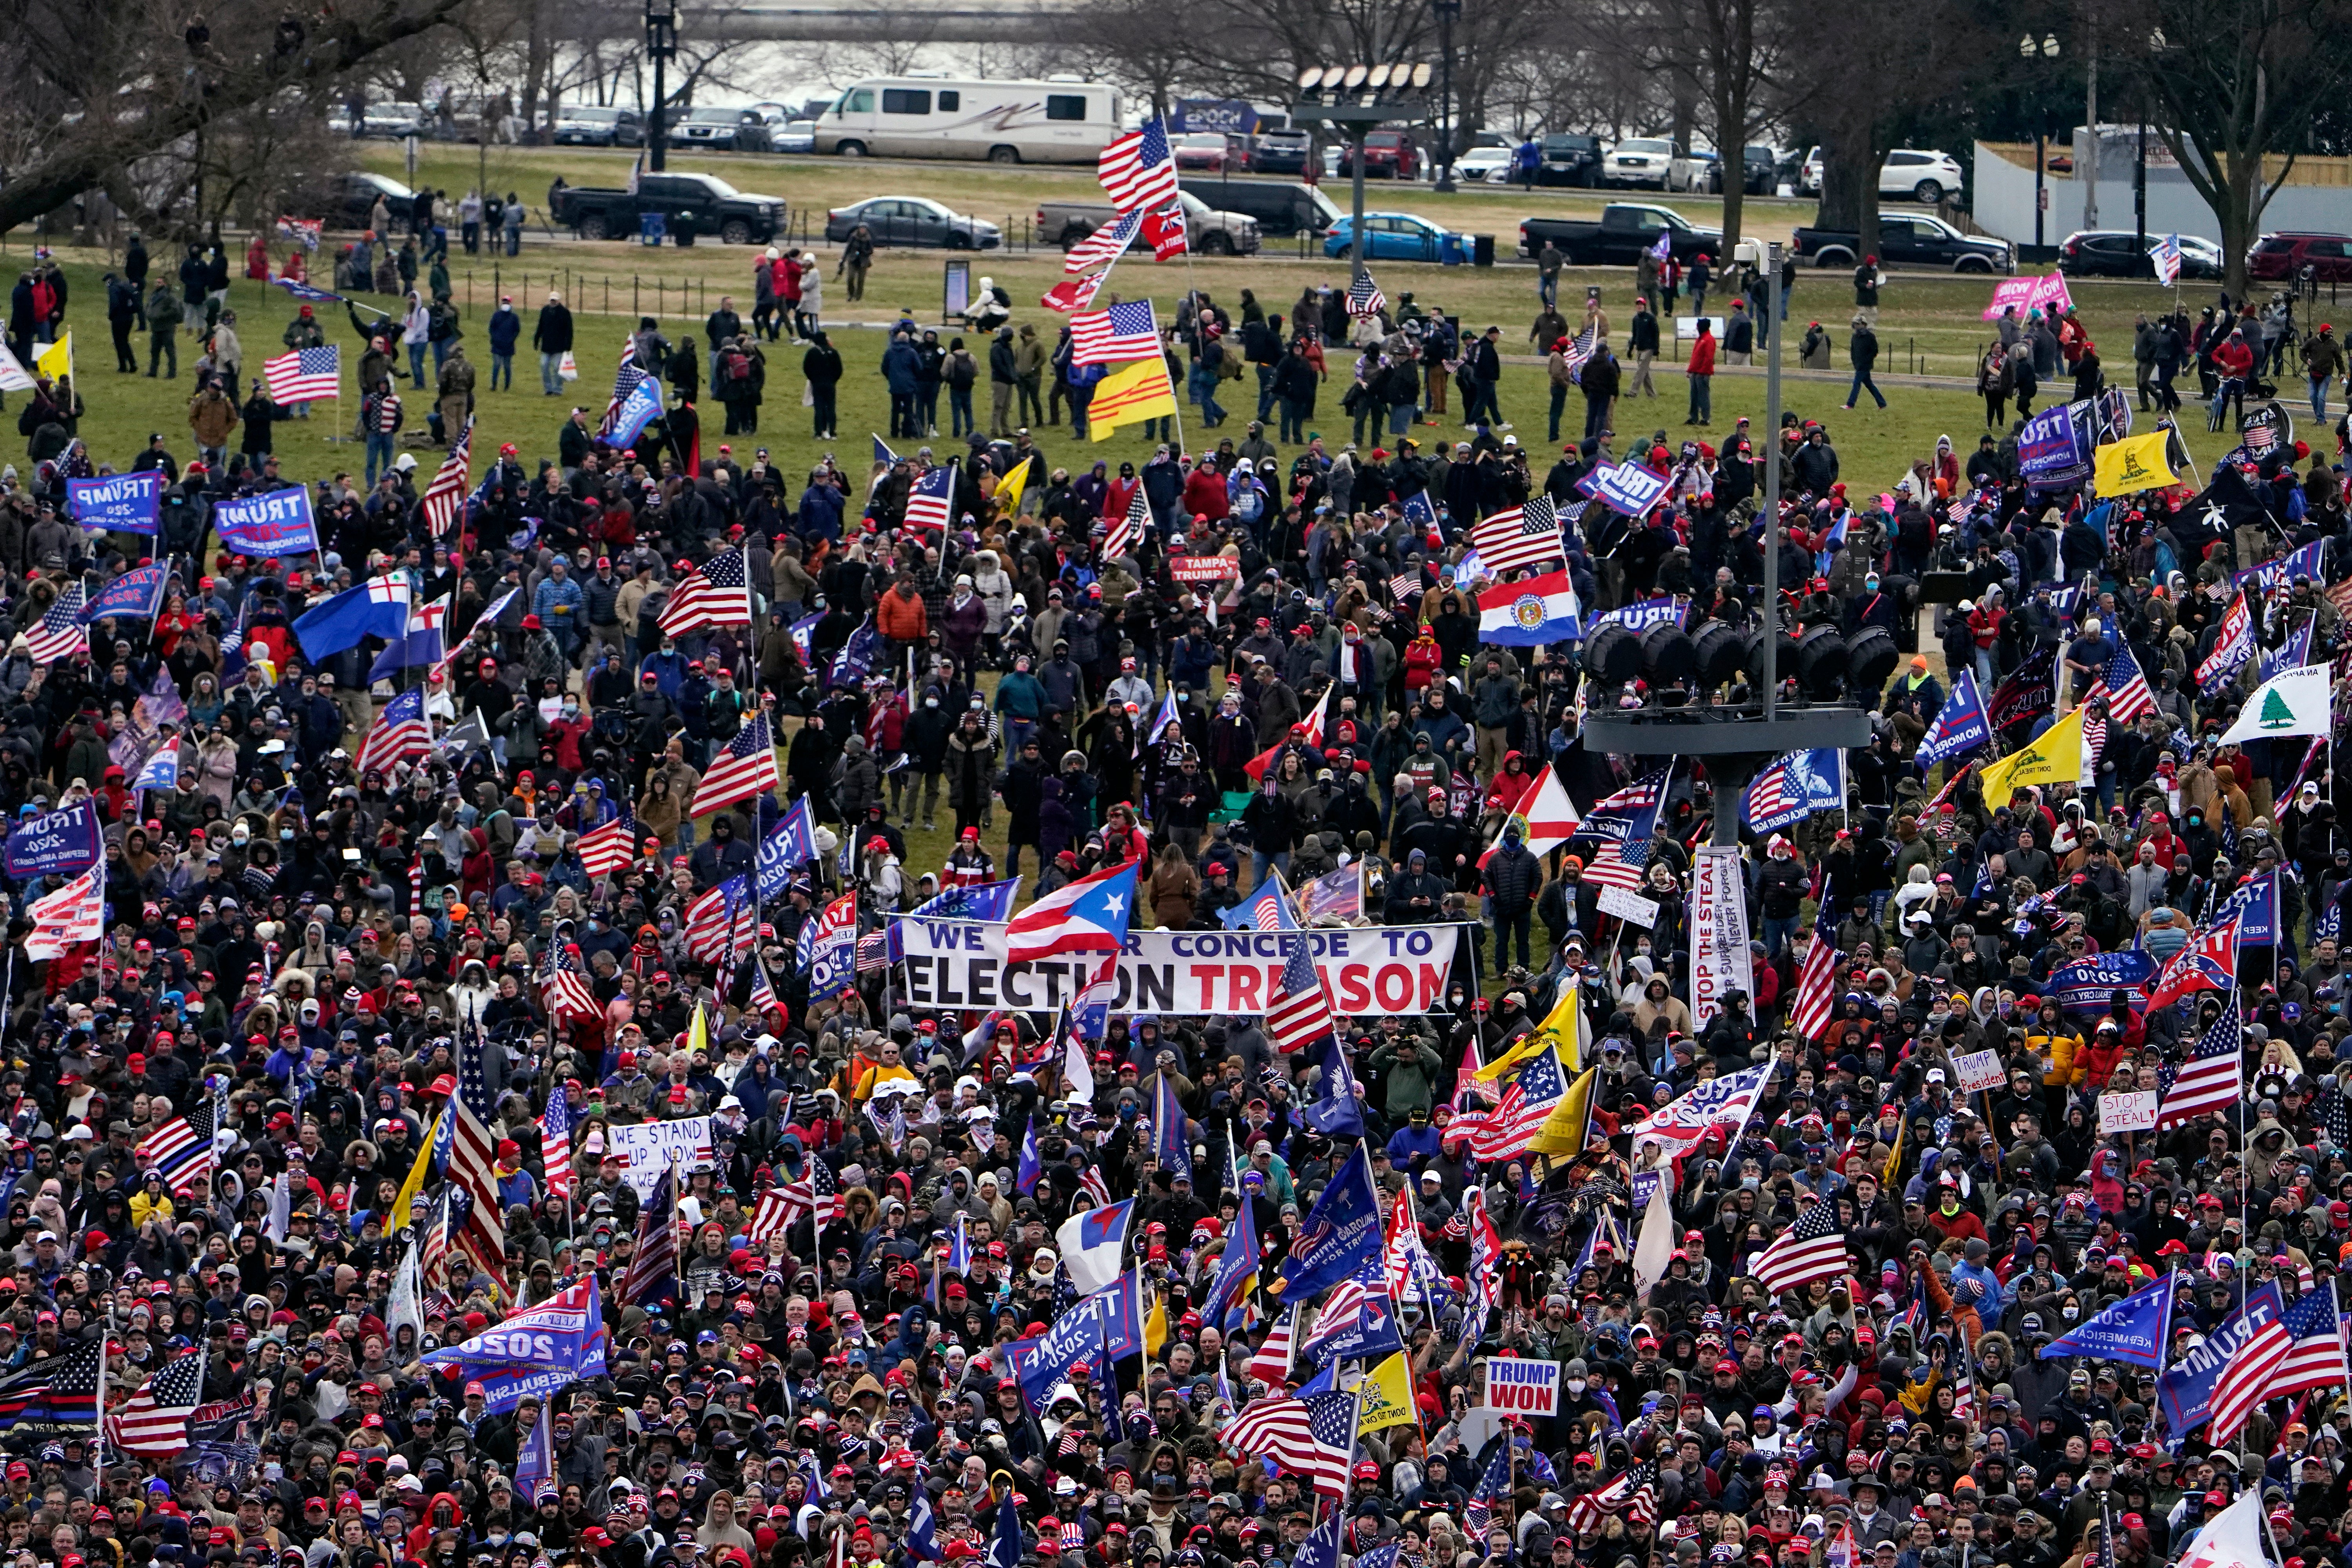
(1367, 970)
(643, 1150)
(1977, 1070)
(2129, 1112)
(1642, 911)
(1718, 907)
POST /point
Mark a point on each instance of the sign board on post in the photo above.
(646, 1149)
(2134, 1112)
(1688, 326)
(1718, 920)
(1226, 114)
(956, 290)
(1519, 1388)
(1628, 906)
(1977, 1070)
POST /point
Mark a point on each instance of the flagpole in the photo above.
(97, 1445)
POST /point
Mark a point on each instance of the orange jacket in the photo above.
(901, 617)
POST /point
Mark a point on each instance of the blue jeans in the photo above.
(959, 410)
(1204, 393)
(441, 348)
(1261, 863)
(1861, 380)
(550, 381)
(379, 455)
(1778, 935)
(502, 372)
(417, 365)
(2319, 399)
(1265, 391)
(1548, 287)
(1294, 421)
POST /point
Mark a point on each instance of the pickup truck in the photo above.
(1207, 230)
(1626, 229)
(1912, 239)
(691, 206)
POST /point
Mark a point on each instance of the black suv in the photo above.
(1570, 161)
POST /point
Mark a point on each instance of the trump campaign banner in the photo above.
(534, 1351)
(57, 843)
(126, 503)
(1374, 970)
(2087, 987)
(2186, 1393)
(273, 523)
(2046, 293)
(1631, 487)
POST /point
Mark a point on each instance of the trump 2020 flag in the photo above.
(2133, 1330)
(137, 596)
(639, 409)
(160, 771)
(1529, 613)
(1093, 1245)
(1961, 726)
(1341, 1234)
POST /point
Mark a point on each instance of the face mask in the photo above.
(240, 835)
(2068, 1312)
(931, 702)
(286, 836)
(1576, 1385)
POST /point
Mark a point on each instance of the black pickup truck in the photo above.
(691, 206)
(1626, 229)
(1913, 239)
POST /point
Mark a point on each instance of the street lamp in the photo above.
(661, 47)
(1448, 12)
(2030, 49)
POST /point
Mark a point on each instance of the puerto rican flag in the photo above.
(1091, 915)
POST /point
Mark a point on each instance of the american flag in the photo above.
(2211, 1079)
(566, 984)
(555, 1143)
(1348, 1298)
(1271, 1364)
(715, 594)
(1364, 296)
(73, 463)
(932, 502)
(625, 382)
(1816, 983)
(1526, 535)
(60, 634)
(773, 1212)
(446, 495)
(873, 952)
(1812, 1248)
(2125, 688)
(745, 769)
(304, 376)
(1632, 1492)
(1580, 349)
(400, 732)
(2315, 1359)
(2247, 1378)
(1405, 586)
(1138, 171)
(1315, 1436)
(1124, 331)
(762, 999)
(180, 1151)
(604, 850)
(1628, 819)
(1103, 246)
(816, 1194)
(1534, 1092)
(56, 1394)
(64, 919)
(1128, 528)
(1297, 1015)
(433, 1245)
(713, 919)
(154, 1422)
(651, 1274)
(1165, 232)
(1092, 1185)
(473, 1150)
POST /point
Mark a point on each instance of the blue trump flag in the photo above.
(272, 524)
(855, 660)
(57, 843)
(1120, 1307)
(536, 1350)
(375, 608)
(1077, 1336)
(2256, 905)
(1336, 1113)
(1025, 1178)
(1341, 1235)
(1961, 725)
(2184, 1394)
(1170, 1144)
(135, 595)
(789, 846)
(2133, 1330)
(127, 503)
(641, 408)
(1004, 1551)
(1320, 1549)
(922, 1531)
(1226, 1306)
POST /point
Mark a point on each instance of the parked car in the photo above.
(1208, 231)
(1388, 155)
(912, 221)
(1909, 239)
(1570, 159)
(1491, 166)
(691, 206)
(1392, 236)
(720, 130)
(1282, 152)
(1700, 172)
(2117, 253)
(345, 200)
(1809, 172)
(1280, 208)
(1205, 149)
(1650, 161)
(1759, 167)
(794, 136)
(1625, 229)
(586, 125)
(2277, 257)
(1925, 177)
(394, 121)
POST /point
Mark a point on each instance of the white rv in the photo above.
(1061, 119)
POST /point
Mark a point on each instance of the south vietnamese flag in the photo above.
(1530, 613)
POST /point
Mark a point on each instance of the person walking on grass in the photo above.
(1862, 349)
(1701, 371)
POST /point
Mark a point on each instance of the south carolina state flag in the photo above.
(1531, 613)
(1091, 915)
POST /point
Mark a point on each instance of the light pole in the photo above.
(2046, 47)
(1447, 11)
(661, 45)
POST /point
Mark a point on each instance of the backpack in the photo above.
(962, 369)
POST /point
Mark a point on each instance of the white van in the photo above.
(1062, 120)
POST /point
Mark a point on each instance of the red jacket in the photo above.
(1702, 359)
(1204, 493)
(2233, 358)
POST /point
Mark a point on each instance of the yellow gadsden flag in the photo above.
(1131, 396)
(1387, 1395)
(56, 360)
(415, 1182)
(2055, 756)
(1010, 490)
(1564, 1132)
(2134, 464)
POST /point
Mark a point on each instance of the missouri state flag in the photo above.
(1530, 613)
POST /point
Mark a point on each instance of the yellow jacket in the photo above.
(2060, 1050)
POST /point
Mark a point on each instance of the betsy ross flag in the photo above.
(446, 495)
(1526, 535)
(400, 732)
(1297, 1015)
(1534, 1092)
(715, 594)
(57, 1393)
(1364, 296)
(746, 768)
(180, 1151)
(2315, 1358)
(1103, 246)
(1128, 528)
(1812, 1248)
(604, 850)
(1816, 982)
(154, 1423)
(932, 502)
(1315, 1436)
(305, 375)
(1124, 331)
(2212, 1080)
(59, 634)
(1139, 170)
(2125, 688)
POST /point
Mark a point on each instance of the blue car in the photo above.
(1391, 237)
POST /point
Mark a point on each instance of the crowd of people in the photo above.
(329, 942)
